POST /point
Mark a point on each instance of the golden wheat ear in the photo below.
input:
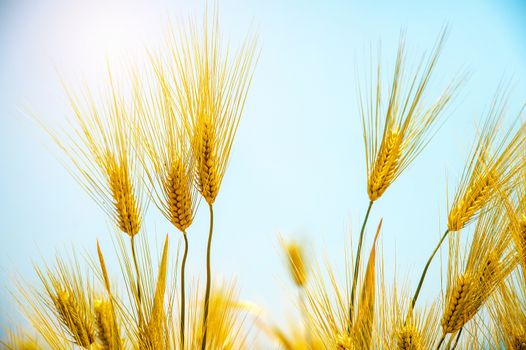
(397, 128)
(211, 87)
(296, 260)
(167, 159)
(62, 309)
(508, 312)
(166, 155)
(472, 280)
(409, 338)
(418, 331)
(107, 328)
(99, 153)
(493, 166)
(211, 90)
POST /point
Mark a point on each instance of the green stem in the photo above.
(457, 339)
(183, 296)
(357, 263)
(208, 277)
(138, 277)
(441, 341)
(136, 265)
(415, 297)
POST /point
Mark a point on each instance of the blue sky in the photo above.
(297, 167)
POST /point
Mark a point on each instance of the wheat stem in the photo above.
(457, 339)
(415, 297)
(137, 275)
(183, 297)
(208, 277)
(357, 263)
(441, 341)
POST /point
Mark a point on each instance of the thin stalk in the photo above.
(183, 296)
(138, 276)
(208, 277)
(457, 339)
(357, 263)
(415, 297)
(441, 341)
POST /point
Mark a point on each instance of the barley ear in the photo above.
(74, 319)
(454, 316)
(409, 338)
(385, 165)
(296, 261)
(106, 324)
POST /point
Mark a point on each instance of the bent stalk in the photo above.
(357, 262)
(183, 296)
(208, 277)
(415, 297)
(137, 276)
(441, 341)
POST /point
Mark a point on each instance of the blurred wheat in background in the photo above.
(164, 135)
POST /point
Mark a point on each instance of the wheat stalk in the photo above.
(170, 163)
(488, 263)
(491, 170)
(102, 158)
(396, 129)
(211, 91)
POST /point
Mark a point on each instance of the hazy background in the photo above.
(297, 167)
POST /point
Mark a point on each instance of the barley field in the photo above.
(298, 175)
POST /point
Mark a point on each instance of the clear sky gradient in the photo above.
(297, 167)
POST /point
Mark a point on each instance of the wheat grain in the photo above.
(211, 91)
(126, 207)
(106, 325)
(386, 164)
(72, 317)
(475, 198)
(205, 149)
(457, 306)
(408, 338)
(180, 198)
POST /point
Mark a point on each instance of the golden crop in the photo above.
(166, 137)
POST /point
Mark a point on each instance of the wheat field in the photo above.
(160, 136)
